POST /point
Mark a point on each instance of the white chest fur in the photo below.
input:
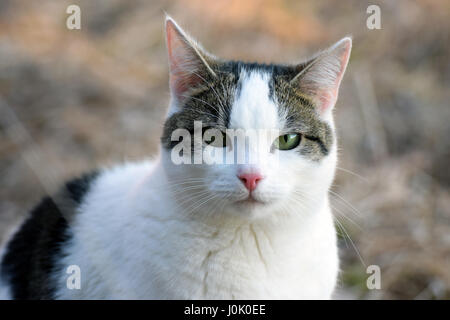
(138, 247)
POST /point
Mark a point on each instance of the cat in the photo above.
(157, 229)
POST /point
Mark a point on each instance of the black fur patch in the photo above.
(77, 188)
(29, 262)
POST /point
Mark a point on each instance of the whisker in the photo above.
(206, 103)
(341, 231)
(185, 198)
(352, 173)
(346, 202)
(351, 241)
(192, 210)
(212, 88)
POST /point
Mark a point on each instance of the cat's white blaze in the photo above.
(253, 99)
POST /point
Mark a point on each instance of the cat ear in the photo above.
(189, 64)
(321, 76)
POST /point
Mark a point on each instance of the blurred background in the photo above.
(73, 100)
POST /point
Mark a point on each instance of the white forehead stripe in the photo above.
(253, 108)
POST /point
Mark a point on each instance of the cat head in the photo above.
(215, 103)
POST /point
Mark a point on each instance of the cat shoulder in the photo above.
(38, 241)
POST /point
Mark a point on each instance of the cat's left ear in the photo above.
(320, 77)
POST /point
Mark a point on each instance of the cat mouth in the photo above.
(250, 200)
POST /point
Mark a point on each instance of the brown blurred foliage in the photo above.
(72, 100)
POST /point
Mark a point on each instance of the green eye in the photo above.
(216, 138)
(287, 141)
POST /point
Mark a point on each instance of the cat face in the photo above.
(253, 139)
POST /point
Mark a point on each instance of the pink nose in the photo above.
(250, 180)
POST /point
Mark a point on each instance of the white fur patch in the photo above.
(253, 108)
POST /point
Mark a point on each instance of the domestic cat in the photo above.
(171, 229)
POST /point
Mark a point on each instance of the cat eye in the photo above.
(216, 138)
(287, 141)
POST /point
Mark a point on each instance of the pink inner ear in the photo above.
(180, 82)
